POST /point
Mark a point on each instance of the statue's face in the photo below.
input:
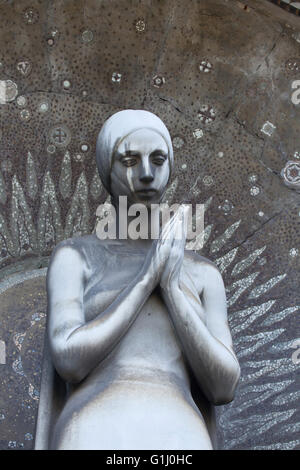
(141, 168)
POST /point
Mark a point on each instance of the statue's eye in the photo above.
(158, 160)
(129, 161)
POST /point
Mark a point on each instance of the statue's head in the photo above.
(135, 156)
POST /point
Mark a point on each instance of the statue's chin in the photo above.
(145, 198)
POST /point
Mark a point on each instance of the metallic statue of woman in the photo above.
(138, 342)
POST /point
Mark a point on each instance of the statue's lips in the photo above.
(146, 192)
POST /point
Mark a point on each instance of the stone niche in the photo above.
(224, 77)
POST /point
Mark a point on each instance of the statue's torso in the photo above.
(139, 396)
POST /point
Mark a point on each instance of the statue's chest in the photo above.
(105, 285)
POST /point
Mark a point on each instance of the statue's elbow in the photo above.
(73, 376)
(222, 399)
(68, 375)
(225, 394)
(69, 371)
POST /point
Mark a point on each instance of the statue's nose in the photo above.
(146, 175)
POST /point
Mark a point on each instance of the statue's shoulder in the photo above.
(87, 246)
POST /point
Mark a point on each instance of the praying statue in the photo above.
(138, 350)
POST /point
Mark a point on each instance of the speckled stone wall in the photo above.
(224, 77)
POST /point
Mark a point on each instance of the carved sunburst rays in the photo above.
(17, 364)
(19, 234)
(49, 224)
(23, 233)
(78, 217)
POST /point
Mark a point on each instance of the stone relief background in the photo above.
(219, 73)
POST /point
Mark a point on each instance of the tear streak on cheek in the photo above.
(129, 178)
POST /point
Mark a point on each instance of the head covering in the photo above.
(116, 128)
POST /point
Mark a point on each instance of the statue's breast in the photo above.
(108, 275)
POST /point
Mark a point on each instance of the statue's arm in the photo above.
(78, 346)
(207, 345)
